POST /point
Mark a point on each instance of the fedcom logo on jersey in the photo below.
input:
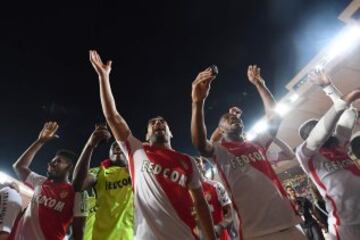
(331, 166)
(244, 159)
(117, 184)
(50, 202)
(157, 169)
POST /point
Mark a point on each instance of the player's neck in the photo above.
(165, 145)
(59, 179)
(232, 137)
(118, 163)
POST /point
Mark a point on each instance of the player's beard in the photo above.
(234, 133)
(159, 137)
(52, 176)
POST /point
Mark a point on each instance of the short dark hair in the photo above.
(289, 186)
(70, 156)
(151, 119)
(114, 144)
(307, 127)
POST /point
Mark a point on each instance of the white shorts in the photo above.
(288, 234)
(10, 207)
(350, 232)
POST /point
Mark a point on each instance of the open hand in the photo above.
(318, 77)
(254, 75)
(48, 132)
(103, 70)
(100, 134)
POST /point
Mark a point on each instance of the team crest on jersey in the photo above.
(208, 197)
(64, 194)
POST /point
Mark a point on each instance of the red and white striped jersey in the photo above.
(257, 194)
(161, 180)
(50, 211)
(217, 198)
(337, 177)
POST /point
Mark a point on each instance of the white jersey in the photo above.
(337, 177)
(161, 180)
(257, 194)
(334, 173)
(10, 207)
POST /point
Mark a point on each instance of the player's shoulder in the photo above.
(180, 155)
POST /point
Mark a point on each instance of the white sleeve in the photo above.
(223, 196)
(346, 125)
(130, 145)
(332, 92)
(10, 207)
(195, 179)
(303, 155)
(347, 120)
(264, 139)
(324, 128)
(80, 206)
(33, 180)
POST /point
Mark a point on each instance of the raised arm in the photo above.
(345, 126)
(268, 100)
(82, 179)
(22, 164)
(200, 91)
(325, 127)
(346, 123)
(286, 153)
(118, 126)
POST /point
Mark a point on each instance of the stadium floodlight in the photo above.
(320, 67)
(260, 126)
(282, 109)
(344, 42)
(294, 97)
(250, 136)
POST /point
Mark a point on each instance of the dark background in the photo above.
(157, 48)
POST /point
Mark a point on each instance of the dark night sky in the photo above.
(157, 48)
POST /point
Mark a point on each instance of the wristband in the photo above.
(332, 92)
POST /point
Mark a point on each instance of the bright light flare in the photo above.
(344, 42)
(260, 126)
(250, 136)
(294, 97)
(282, 109)
(4, 178)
